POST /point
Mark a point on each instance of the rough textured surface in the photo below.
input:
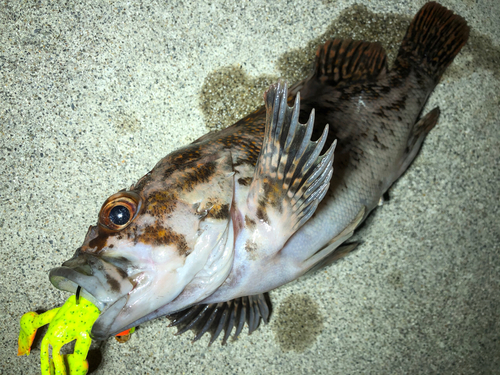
(93, 95)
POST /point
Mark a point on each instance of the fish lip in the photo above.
(103, 326)
(102, 283)
(68, 279)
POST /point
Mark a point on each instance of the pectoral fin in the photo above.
(291, 177)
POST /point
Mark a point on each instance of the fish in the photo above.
(217, 224)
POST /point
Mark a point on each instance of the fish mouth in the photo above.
(102, 283)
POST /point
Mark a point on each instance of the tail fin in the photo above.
(433, 39)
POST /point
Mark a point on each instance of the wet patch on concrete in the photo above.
(126, 123)
(298, 323)
(395, 278)
(229, 94)
(479, 53)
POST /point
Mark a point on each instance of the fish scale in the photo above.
(367, 145)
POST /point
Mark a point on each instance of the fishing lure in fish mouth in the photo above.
(70, 322)
(217, 224)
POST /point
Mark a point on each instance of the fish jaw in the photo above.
(123, 294)
(103, 281)
(104, 284)
(128, 281)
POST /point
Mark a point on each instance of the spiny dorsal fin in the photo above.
(339, 61)
(291, 177)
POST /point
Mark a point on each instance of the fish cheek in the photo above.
(99, 242)
(99, 239)
(158, 235)
(161, 203)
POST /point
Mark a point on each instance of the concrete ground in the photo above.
(93, 94)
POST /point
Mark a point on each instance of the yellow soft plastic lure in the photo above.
(71, 321)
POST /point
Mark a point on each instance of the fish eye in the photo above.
(119, 210)
(119, 215)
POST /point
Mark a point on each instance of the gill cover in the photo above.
(163, 244)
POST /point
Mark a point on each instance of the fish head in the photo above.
(149, 243)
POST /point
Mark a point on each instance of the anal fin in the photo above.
(417, 136)
(423, 127)
(337, 254)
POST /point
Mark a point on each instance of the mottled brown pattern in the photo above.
(98, 243)
(262, 213)
(113, 283)
(245, 138)
(249, 223)
(161, 203)
(218, 210)
(378, 143)
(246, 181)
(139, 185)
(250, 248)
(181, 160)
(272, 194)
(181, 157)
(197, 174)
(131, 232)
(396, 105)
(158, 235)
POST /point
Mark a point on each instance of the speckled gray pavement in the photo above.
(93, 94)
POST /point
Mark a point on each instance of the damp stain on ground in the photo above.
(395, 278)
(230, 94)
(298, 323)
(478, 54)
(126, 123)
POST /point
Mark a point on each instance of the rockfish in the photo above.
(220, 222)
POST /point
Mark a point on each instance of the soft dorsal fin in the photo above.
(339, 61)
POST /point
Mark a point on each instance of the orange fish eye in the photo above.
(119, 210)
